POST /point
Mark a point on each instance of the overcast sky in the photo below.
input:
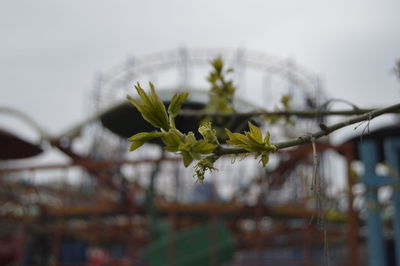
(51, 50)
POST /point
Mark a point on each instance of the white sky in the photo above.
(51, 50)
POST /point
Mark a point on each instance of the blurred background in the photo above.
(72, 194)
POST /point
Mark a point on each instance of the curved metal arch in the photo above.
(43, 134)
(184, 61)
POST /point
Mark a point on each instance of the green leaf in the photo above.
(151, 107)
(159, 107)
(136, 145)
(173, 137)
(208, 132)
(253, 142)
(148, 116)
(187, 158)
(267, 137)
(264, 158)
(176, 103)
(188, 142)
(237, 139)
(221, 90)
(171, 148)
(143, 96)
(212, 78)
(218, 64)
(255, 133)
(143, 137)
(203, 147)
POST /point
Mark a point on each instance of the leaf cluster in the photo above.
(222, 90)
(151, 107)
(252, 141)
(205, 150)
(204, 165)
(153, 111)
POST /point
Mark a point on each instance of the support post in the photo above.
(351, 213)
(376, 244)
(392, 154)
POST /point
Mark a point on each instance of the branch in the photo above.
(325, 130)
(298, 113)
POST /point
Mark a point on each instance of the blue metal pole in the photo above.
(376, 244)
(392, 154)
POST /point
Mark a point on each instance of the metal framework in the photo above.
(183, 66)
(132, 194)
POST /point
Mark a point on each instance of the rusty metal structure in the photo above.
(105, 205)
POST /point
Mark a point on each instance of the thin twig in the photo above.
(355, 107)
(323, 132)
(316, 187)
(298, 113)
(315, 165)
(314, 183)
(365, 129)
(326, 247)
